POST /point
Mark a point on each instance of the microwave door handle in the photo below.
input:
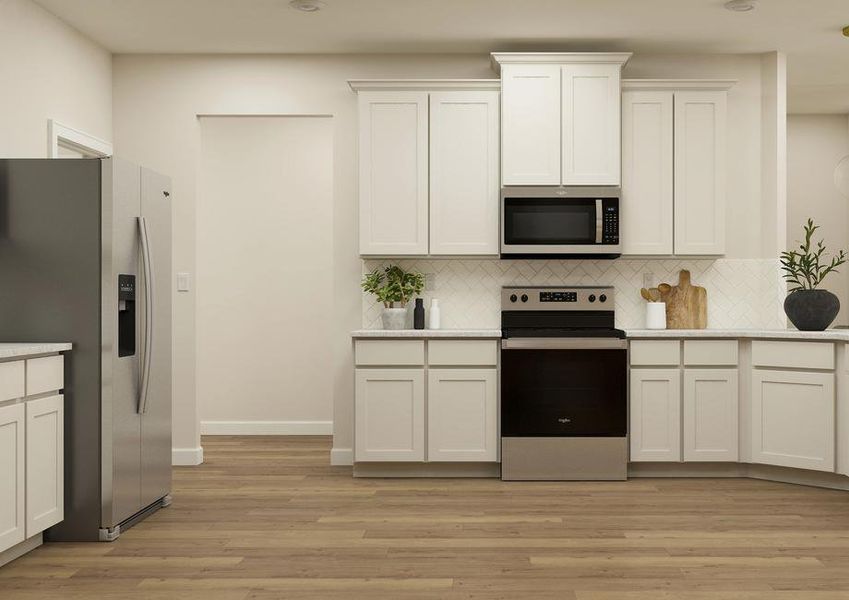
(599, 215)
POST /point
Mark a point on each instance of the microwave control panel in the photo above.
(610, 223)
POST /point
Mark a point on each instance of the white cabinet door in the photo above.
(591, 124)
(655, 415)
(389, 415)
(530, 125)
(647, 172)
(462, 409)
(711, 407)
(45, 472)
(700, 172)
(393, 155)
(793, 419)
(12, 521)
(464, 187)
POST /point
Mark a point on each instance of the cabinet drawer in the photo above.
(793, 355)
(462, 352)
(11, 380)
(710, 352)
(45, 374)
(389, 352)
(655, 352)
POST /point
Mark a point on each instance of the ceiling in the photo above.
(809, 31)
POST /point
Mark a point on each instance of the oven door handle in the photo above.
(564, 344)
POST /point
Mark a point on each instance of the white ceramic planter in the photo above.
(655, 315)
(394, 318)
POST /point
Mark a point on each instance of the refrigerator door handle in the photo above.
(149, 310)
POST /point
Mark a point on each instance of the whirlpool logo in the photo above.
(564, 420)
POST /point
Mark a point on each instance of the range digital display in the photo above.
(558, 296)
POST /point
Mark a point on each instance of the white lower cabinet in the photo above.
(12, 464)
(793, 422)
(655, 429)
(390, 412)
(45, 468)
(462, 407)
(711, 407)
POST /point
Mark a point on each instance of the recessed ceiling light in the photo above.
(741, 5)
(307, 5)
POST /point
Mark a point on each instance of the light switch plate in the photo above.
(184, 282)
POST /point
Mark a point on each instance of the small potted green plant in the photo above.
(393, 285)
(807, 307)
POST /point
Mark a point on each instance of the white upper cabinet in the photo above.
(700, 172)
(428, 166)
(647, 179)
(530, 122)
(464, 172)
(393, 157)
(673, 167)
(591, 126)
(560, 118)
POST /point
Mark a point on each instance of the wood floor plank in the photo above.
(266, 518)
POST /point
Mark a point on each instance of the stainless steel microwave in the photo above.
(558, 222)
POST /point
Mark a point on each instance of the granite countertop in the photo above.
(832, 335)
(14, 350)
(427, 333)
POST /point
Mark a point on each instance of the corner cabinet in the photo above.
(560, 118)
(673, 167)
(428, 167)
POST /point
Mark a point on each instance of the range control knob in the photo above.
(524, 297)
(591, 298)
(602, 298)
(513, 297)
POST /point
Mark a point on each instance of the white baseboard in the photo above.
(341, 457)
(266, 427)
(186, 457)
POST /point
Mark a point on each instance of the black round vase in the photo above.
(811, 310)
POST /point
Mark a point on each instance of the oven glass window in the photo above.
(549, 221)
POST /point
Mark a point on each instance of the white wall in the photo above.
(265, 275)
(48, 71)
(815, 144)
(156, 103)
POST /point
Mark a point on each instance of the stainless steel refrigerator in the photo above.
(85, 257)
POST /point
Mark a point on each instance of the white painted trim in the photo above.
(186, 457)
(266, 427)
(74, 138)
(539, 58)
(718, 85)
(340, 457)
(361, 85)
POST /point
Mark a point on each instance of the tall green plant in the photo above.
(393, 284)
(804, 269)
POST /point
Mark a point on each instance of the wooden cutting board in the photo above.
(686, 304)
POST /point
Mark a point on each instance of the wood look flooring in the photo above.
(266, 517)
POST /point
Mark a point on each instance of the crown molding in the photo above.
(362, 85)
(525, 58)
(719, 85)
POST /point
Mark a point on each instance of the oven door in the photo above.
(538, 222)
(564, 387)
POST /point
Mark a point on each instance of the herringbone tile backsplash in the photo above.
(742, 293)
